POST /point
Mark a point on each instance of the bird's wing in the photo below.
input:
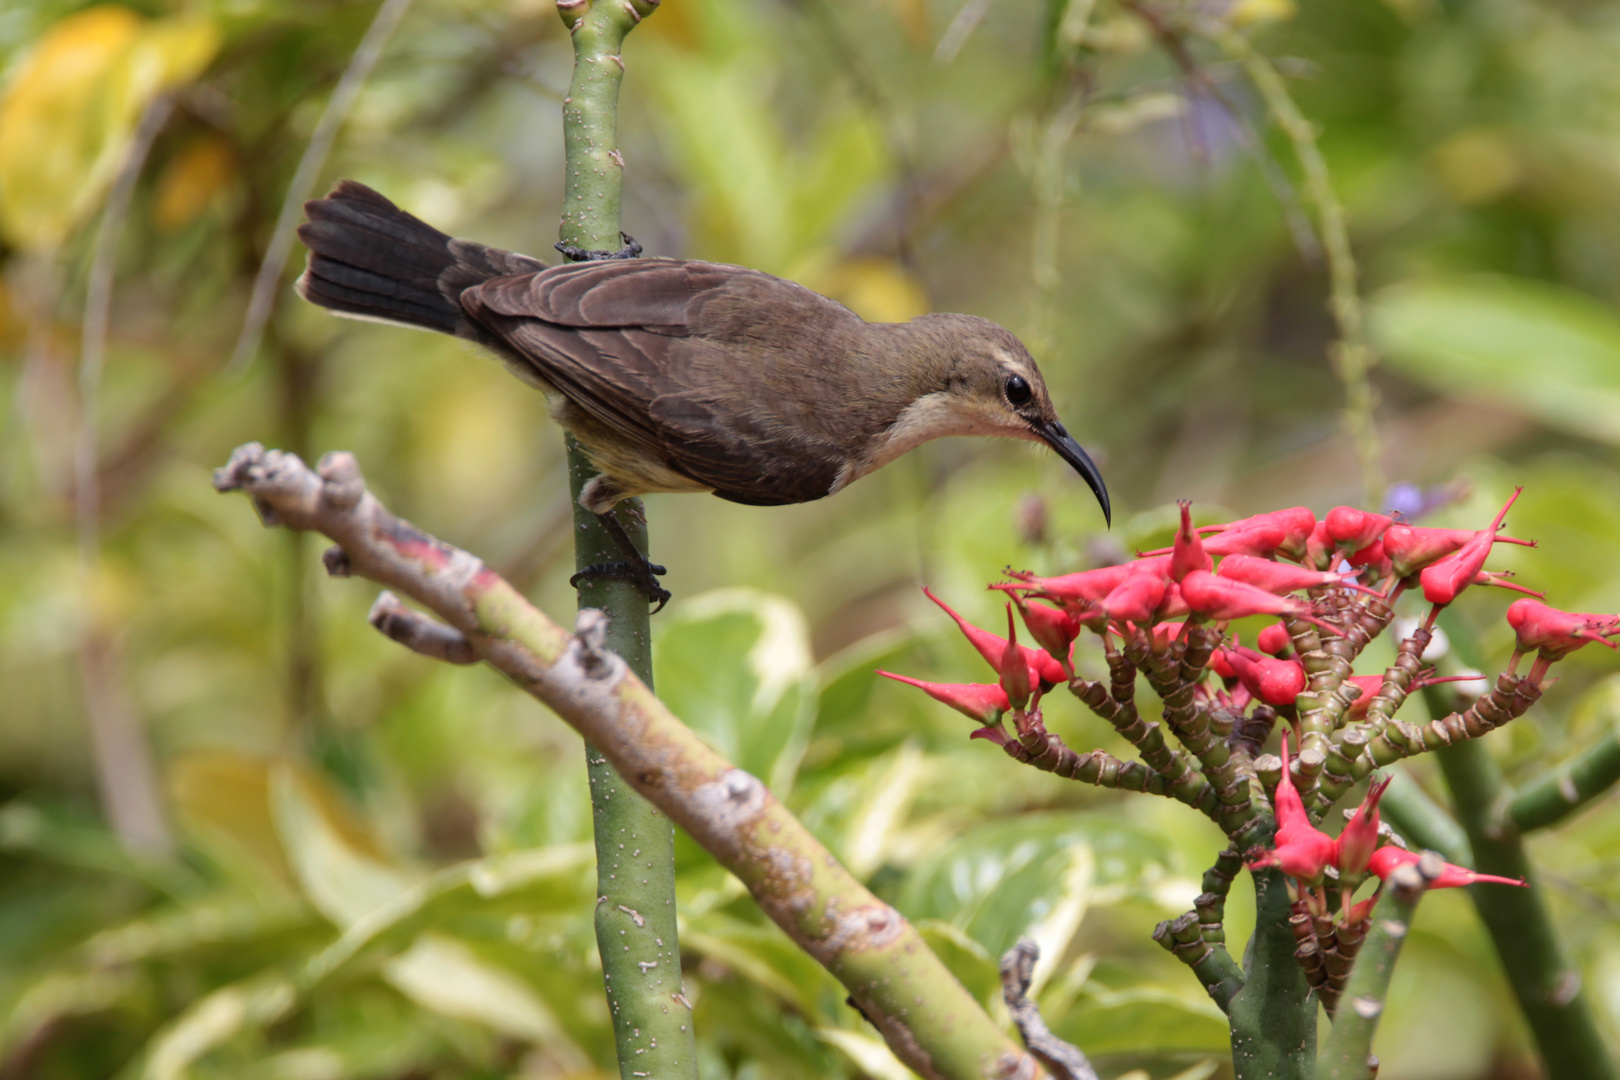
(666, 295)
(630, 344)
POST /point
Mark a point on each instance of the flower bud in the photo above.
(1137, 599)
(1275, 682)
(1386, 860)
(1301, 850)
(1445, 578)
(1054, 629)
(1087, 585)
(1286, 530)
(1275, 640)
(1411, 548)
(1352, 529)
(1043, 669)
(1557, 633)
(1276, 577)
(1014, 667)
(1360, 836)
(1188, 553)
(1221, 599)
(984, 702)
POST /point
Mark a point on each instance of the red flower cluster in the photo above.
(1304, 852)
(1255, 566)
(1183, 582)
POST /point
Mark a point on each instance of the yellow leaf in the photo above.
(195, 176)
(226, 795)
(1249, 12)
(876, 289)
(69, 113)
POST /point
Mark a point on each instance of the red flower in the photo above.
(1411, 549)
(1360, 836)
(1221, 599)
(984, 702)
(1017, 678)
(1445, 578)
(1054, 629)
(1276, 577)
(1188, 554)
(1285, 533)
(1301, 850)
(1556, 633)
(1374, 558)
(1275, 682)
(1086, 586)
(1386, 860)
(1274, 639)
(1352, 529)
(1138, 598)
(1043, 669)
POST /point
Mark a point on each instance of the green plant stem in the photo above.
(635, 843)
(1273, 1016)
(1353, 356)
(1559, 793)
(1423, 822)
(1348, 1048)
(1545, 981)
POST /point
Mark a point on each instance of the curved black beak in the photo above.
(1055, 435)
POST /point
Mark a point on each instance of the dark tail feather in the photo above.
(368, 258)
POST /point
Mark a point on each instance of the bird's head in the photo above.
(982, 381)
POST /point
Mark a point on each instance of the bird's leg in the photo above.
(635, 568)
(630, 250)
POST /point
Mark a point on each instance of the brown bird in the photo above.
(681, 375)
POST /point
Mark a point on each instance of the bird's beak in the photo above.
(1055, 435)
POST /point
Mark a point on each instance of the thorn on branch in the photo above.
(1063, 1060)
(590, 638)
(337, 564)
(416, 631)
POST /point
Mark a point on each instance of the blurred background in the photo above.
(211, 768)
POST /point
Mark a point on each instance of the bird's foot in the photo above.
(642, 573)
(630, 250)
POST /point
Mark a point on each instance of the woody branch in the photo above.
(928, 1019)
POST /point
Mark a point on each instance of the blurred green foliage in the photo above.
(381, 865)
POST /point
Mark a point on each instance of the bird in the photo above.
(680, 375)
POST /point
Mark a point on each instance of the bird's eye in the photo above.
(1018, 391)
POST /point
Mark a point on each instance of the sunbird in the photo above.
(684, 375)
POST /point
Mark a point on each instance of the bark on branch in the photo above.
(930, 1022)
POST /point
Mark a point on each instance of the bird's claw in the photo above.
(630, 250)
(642, 574)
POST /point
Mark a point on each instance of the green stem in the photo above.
(1566, 789)
(635, 844)
(1545, 981)
(1353, 356)
(1423, 822)
(1348, 1050)
(1273, 1016)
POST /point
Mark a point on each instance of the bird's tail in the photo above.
(369, 259)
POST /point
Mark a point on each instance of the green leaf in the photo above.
(1143, 1021)
(1035, 875)
(446, 976)
(760, 953)
(1549, 351)
(343, 876)
(735, 665)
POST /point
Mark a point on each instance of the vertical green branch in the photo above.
(1273, 1016)
(635, 844)
(1544, 978)
(1353, 357)
(1347, 1051)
